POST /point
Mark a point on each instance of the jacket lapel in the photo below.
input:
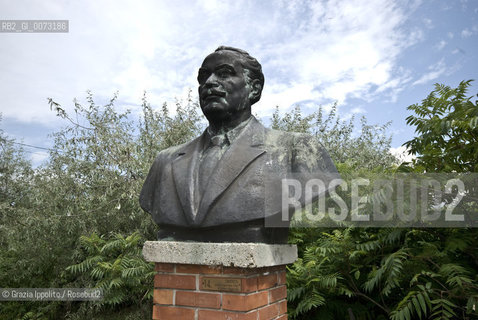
(184, 169)
(244, 149)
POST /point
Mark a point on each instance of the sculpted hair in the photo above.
(251, 65)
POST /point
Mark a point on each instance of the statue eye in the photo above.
(224, 72)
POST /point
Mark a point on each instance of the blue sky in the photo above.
(374, 57)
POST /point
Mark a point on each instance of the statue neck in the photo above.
(222, 127)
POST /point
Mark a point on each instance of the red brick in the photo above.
(278, 293)
(197, 269)
(164, 267)
(198, 299)
(269, 312)
(249, 284)
(162, 296)
(223, 315)
(267, 281)
(282, 277)
(284, 317)
(166, 313)
(247, 302)
(283, 307)
(173, 281)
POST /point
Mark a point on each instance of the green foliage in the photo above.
(415, 303)
(117, 267)
(90, 185)
(365, 273)
(101, 160)
(15, 176)
(396, 274)
(446, 123)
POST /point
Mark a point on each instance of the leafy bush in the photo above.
(117, 267)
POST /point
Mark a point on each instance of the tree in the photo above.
(89, 185)
(15, 177)
(370, 273)
(446, 123)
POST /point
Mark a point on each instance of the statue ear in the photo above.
(256, 89)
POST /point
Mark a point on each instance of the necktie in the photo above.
(210, 159)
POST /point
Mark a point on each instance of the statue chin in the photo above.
(216, 117)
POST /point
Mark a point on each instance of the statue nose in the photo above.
(211, 80)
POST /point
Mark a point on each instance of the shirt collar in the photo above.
(230, 135)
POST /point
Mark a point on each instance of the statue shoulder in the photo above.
(306, 152)
(279, 138)
(173, 152)
(292, 140)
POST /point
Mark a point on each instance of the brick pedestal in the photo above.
(224, 281)
(199, 292)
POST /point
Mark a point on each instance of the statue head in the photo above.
(230, 82)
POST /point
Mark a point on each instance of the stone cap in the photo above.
(230, 254)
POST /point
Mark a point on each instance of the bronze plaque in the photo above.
(222, 284)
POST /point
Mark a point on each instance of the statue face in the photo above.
(223, 87)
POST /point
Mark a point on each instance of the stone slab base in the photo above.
(205, 292)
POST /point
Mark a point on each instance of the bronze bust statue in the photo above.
(224, 184)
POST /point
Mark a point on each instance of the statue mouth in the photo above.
(213, 94)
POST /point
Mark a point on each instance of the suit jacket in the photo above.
(245, 185)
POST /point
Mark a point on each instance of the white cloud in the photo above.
(315, 51)
(392, 88)
(352, 51)
(435, 71)
(428, 23)
(416, 36)
(441, 45)
(466, 33)
(402, 154)
(357, 110)
(352, 113)
(38, 158)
